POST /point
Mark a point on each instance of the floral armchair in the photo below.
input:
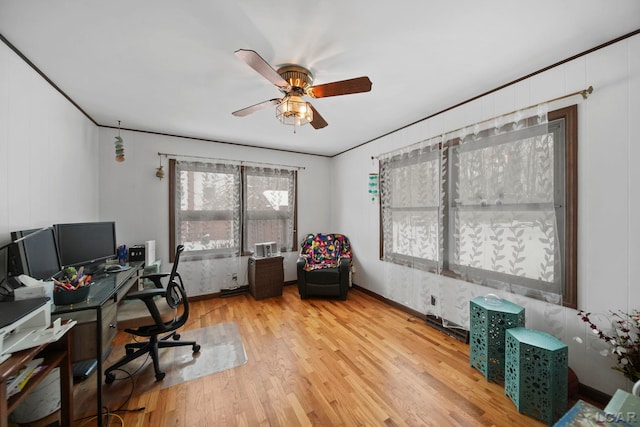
(324, 266)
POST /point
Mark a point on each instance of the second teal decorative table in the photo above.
(536, 373)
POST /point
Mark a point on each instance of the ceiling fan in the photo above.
(295, 82)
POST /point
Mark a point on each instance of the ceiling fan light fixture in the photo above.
(294, 111)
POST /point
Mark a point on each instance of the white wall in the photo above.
(131, 195)
(609, 204)
(48, 153)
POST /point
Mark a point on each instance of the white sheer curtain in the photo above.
(269, 206)
(207, 200)
(411, 197)
(503, 205)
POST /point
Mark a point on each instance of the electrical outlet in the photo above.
(433, 300)
(234, 277)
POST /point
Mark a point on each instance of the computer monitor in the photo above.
(35, 254)
(86, 244)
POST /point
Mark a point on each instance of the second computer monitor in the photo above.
(84, 244)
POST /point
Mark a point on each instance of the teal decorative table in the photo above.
(490, 317)
(536, 373)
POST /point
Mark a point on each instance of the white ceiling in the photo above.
(168, 66)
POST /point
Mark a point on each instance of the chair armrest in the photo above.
(302, 280)
(344, 265)
(155, 278)
(149, 276)
(145, 294)
(301, 264)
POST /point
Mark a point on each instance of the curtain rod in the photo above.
(585, 94)
(240, 162)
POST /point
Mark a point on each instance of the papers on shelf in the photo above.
(34, 337)
(16, 383)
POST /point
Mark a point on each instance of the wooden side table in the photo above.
(56, 354)
(266, 277)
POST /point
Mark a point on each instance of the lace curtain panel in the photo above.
(484, 203)
(411, 198)
(208, 208)
(269, 207)
(504, 205)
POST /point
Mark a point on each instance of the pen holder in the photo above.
(63, 297)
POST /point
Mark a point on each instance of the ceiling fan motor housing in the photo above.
(298, 77)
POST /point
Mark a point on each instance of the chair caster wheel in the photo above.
(176, 337)
(109, 378)
(160, 376)
(196, 348)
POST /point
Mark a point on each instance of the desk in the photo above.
(97, 319)
(56, 354)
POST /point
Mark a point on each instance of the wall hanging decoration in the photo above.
(373, 186)
(159, 170)
(119, 146)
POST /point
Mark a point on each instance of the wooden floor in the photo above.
(327, 363)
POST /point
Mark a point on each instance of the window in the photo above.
(269, 207)
(411, 220)
(495, 207)
(222, 210)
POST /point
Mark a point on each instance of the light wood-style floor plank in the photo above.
(323, 362)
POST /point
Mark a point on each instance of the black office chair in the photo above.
(176, 298)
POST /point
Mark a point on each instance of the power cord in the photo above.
(108, 412)
(213, 309)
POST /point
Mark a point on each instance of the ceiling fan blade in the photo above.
(342, 87)
(318, 121)
(246, 111)
(256, 62)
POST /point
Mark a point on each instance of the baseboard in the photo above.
(224, 293)
(394, 304)
(204, 296)
(454, 331)
(594, 395)
(229, 292)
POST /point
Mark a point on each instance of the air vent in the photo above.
(453, 330)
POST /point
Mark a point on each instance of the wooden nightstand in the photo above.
(266, 277)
